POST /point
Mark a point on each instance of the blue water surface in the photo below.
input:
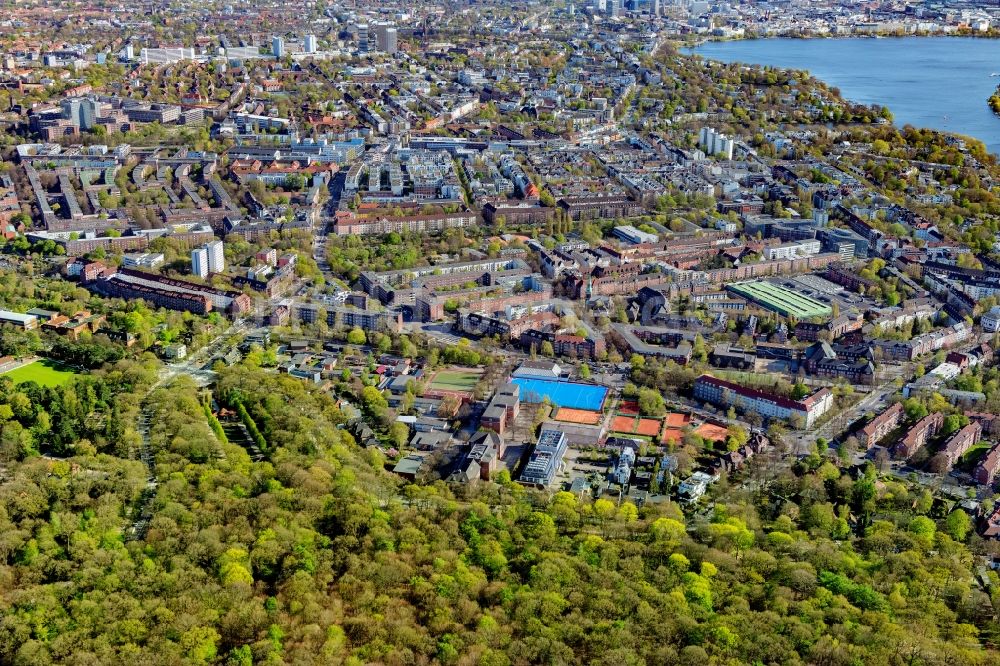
(937, 82)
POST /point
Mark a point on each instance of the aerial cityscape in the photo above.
(501, 333)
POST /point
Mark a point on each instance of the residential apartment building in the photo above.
(347, 317)
(960, 442)
(216, 256)
(880, 426)
(716, 143)
(724, 393)
(357, 226)
(649, 341)
(170, 293)
(172, 300)
(986, 470)
(199, 262)
(918, 435)
(575, 346)
(479, 324)
(804, 248)
(990, 321)
(847, 278)
(923, 344)
(386, 38)
(517, 212)
(592, 208)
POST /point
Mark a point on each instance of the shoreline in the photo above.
(994, 107)
(993, 101)
(701, 41)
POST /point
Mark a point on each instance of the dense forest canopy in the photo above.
(314, 554)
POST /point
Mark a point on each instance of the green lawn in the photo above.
(975, 453)
(456, 380)
(750, 379)
(43, 372)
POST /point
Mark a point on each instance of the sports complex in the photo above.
(564, 394)
(781, 300)
(456, 379)
(43, 372)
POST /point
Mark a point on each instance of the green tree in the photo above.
(958, 524)
(651, 402)
(373, 400)
(399, 433)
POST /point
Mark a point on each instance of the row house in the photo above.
(879, 427)
(594, 208)
(986, 470)
(918, 435)
(961, 442)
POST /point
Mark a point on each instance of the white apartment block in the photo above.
(216, 256)
(804, 248)
(990, 321)
(716, 143)
(199, 262)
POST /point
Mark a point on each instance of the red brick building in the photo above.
(918, 435)
(960, 442)
(880, 426)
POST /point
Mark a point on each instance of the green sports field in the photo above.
(455, 380)
(43, 372)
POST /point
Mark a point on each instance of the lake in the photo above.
(937, 82)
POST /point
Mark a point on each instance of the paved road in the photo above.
(803, 441)
(437, 331)
(192, 365)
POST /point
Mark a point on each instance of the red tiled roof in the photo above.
(757, 394)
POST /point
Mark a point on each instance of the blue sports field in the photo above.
(564, 394)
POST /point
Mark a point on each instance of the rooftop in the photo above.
(781, 300)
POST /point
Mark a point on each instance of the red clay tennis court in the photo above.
(712, 432)
(676, 420)
(623, 424)
(648, 427)
(628, 407)
(582, 416)
(675, 434)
